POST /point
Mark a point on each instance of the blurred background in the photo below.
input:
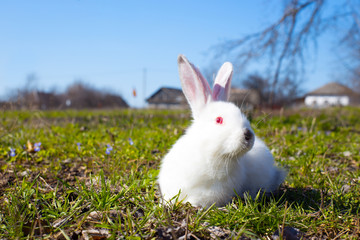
(106, 54)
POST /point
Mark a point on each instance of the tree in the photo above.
(285, 41)
(286, 92)
(24, 97)
(260, 85)
(80, 95)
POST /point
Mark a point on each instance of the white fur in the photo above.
(212, 163)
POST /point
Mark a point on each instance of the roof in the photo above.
(167, 95)
(241, 96)
(332, 88)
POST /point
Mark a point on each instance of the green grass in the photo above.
(67, 192)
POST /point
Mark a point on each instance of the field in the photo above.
(92, 175)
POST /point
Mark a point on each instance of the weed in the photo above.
(73, 174)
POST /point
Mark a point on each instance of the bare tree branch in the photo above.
(285, 41)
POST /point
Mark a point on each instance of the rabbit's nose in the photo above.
(248, 134)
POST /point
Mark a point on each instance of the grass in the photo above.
(77, 187)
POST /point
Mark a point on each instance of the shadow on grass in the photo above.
(313, 200)
(306, 198)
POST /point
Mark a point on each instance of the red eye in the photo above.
(219, 120)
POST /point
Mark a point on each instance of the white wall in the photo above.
(324, 101)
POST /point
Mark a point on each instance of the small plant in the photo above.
(131, 141)
(12, 152)
(80, 175)
(108, 150)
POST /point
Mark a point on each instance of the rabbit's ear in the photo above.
(222, 84)
(196, 89)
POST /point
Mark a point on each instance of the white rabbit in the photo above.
(219, 156)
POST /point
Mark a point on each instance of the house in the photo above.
(35, 100)
(78, 99)
(246, 99)
(331, 94)
(167, 98)
(44, 100)
(173, 98)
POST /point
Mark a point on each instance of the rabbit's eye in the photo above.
(219, 120)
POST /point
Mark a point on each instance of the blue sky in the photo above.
(108, 43)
